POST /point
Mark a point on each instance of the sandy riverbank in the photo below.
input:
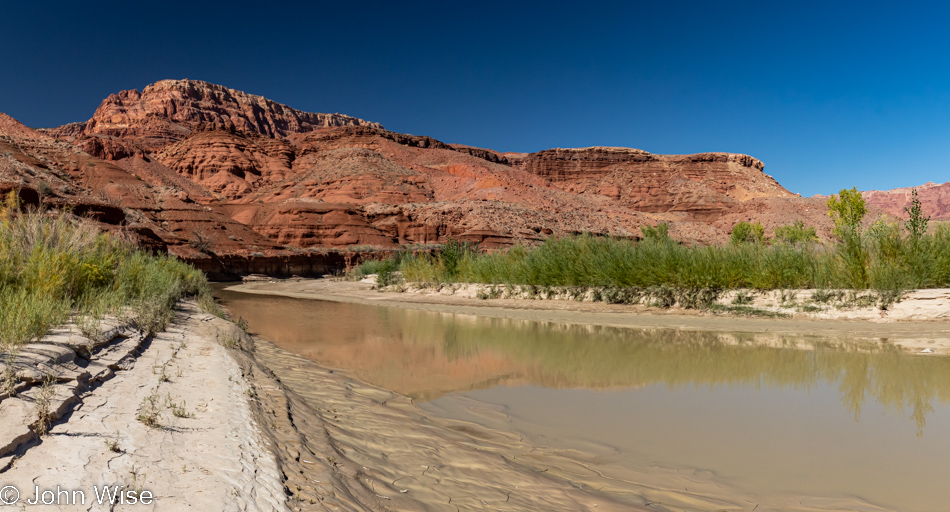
(204, 450)
(918, 323)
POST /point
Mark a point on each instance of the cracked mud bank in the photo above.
(167, 415)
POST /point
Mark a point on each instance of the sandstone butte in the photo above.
(236, 183)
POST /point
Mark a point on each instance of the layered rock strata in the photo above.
(212, 174)
(934, 200)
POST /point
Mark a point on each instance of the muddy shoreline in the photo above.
(926, 335)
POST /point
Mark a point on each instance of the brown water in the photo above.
(835, 422)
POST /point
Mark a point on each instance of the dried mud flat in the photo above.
(203, 450)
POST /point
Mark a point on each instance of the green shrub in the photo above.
(54, 264)
(795, 234)
(847, 210)
(660, 271)
(745, 232)
(387, 273)
(453, 254)
(658, 233)
(366, 268)
(606, 264)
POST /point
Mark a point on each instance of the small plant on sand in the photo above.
(150, 411)
(112, 443)
(242, 323)
(208, 305)
(90, 326)
(825, 296)
(743, 297)
(43, 400)
(178, 410)
(9, 377)
(229, 341)
(744, 310)
(138, 481)
(163, 374)
(789, 298)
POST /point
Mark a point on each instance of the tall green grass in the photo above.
(54, 265)
(884, 258)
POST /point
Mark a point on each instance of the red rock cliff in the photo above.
(703, 183)
(220, 176)
(168, 110)
(934, 200)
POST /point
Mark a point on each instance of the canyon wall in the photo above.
(237, 183)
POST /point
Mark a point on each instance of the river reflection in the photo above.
(426, 354)
(782, 417)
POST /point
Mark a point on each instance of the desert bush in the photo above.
(659, 233)
(746, 232)
(883, 260)
(200, 241)
(387, 273)
(453, 255)
(795, 234)
(43, 402)
(55, 264)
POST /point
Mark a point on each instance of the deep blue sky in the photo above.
(827, 94)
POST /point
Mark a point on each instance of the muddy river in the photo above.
(789, 419)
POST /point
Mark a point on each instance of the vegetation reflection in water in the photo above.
(608, 357)
(382, 342)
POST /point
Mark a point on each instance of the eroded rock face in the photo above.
(219, 177)
(934, 200)
(228, 163)
(168, 110)
(702, 184)
(147, 201)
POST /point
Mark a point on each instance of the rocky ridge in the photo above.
(168, 110)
